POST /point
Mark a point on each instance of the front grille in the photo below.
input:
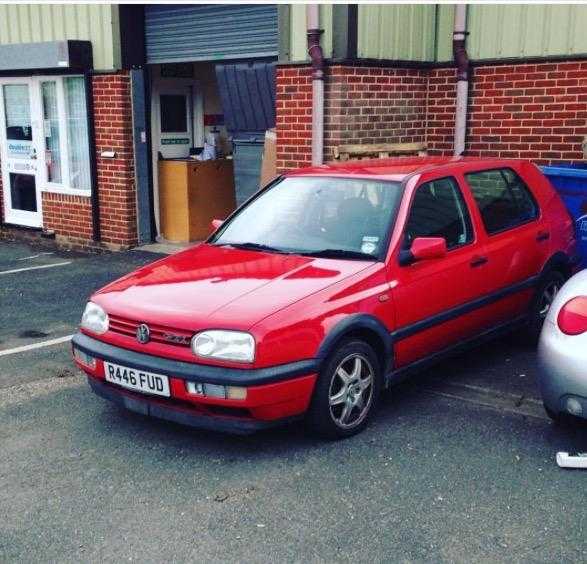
(159, 333)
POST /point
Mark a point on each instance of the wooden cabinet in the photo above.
(192, 194)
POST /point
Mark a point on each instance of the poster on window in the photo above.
(19, 149)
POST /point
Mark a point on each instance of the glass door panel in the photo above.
(23, 192)
(51, 132)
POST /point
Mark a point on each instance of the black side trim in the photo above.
(455, 312)
(154, 408)
(402, 373)
(194, 372)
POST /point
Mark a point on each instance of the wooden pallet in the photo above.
(378, 151)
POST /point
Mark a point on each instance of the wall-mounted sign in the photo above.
(19, 149)
(176, 141)
(177, 70)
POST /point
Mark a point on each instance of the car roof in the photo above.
(396, 168)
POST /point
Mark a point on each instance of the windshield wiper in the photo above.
(255, 247)
(339, 253)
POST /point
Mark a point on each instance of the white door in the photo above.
(19, 151)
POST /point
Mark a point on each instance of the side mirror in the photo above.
(216, 223)
(424, 248)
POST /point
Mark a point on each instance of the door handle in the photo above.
(542, 236)
(478, 261)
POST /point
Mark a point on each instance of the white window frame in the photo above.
(63, 187)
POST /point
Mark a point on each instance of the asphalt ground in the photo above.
(458, 465)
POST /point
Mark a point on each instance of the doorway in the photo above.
(19, 152)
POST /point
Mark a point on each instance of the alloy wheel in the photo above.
(351, 391)
(548, 295)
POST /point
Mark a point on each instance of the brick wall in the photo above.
(535, 111)
(362, 105)
(113, 125)
(293, 117)
(69, 216)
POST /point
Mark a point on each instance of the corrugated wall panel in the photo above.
(298, 38)
(181, 33)
(397, 32)
(523, 30)
(32, 23)
(445, 16)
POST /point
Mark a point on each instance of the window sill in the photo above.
(66, 191)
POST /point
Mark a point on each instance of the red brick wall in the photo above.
(535, 111)
(293, 117)
(362, 105)
(69, 216)
(374, 105)
(113, 125)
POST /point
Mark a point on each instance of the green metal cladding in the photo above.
(33, 23)
(399, 32)
(523, 30)
(412, 32)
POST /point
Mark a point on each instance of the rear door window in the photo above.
(439, 210)
(503, 199)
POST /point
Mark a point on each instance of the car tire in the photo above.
(549, 285)
(553, 415)
(560, 418)
(347, 391)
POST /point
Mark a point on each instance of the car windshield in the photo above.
(320, 216)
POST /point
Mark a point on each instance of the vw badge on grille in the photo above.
(143, 333)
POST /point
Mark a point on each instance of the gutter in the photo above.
(95, 196)
(462, 62)
(317, 57)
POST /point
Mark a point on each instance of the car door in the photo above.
(515, 236)
(434, 299)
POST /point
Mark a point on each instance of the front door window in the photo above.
(23, 192)
(17, 111)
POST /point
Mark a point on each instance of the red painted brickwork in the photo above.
(363, 105)
(535, 111)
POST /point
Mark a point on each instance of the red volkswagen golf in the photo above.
(327, 286)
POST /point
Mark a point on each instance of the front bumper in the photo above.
(274, 394)
(184, 416)
(562, 373)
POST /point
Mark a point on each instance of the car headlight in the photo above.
(224, 345)
(95, 319)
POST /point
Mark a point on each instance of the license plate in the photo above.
(137, 380)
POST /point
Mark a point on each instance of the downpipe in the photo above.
(462, 63)
(317, 57)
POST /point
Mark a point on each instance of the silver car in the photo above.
(562, 351)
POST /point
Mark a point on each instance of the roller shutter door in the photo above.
(183, 33)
